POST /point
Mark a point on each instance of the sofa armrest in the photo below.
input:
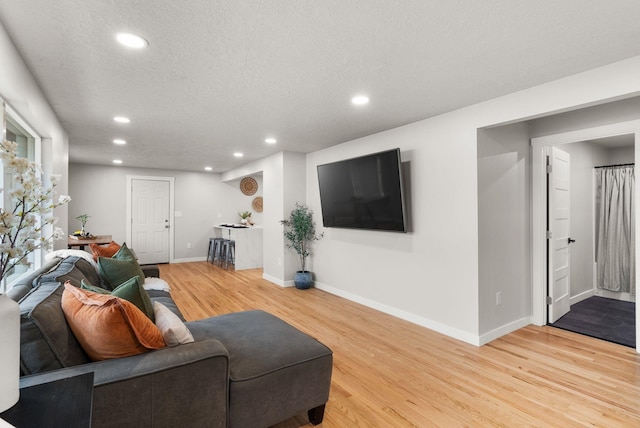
(186, 386)
(150, 271)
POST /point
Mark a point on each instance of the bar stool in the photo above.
(219, 252)
(229, 252)
(215, 249)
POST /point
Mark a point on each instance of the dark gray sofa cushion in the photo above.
(150, 271)
(73, 269)
(165, 298)
(275, 370)
(46, 341)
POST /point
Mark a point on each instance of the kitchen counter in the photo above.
(248, 244)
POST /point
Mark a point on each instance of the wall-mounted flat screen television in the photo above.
(364, 192)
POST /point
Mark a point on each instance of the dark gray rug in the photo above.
(608, 319)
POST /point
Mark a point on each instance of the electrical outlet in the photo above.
(498, 298)
(219, 215)
(189, 245)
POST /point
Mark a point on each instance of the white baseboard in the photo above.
(412, 318)
(189, 260)
(618, 295)
(273, 279)
(580, 297)
(277, 281)
(505, 329)
(415, 319)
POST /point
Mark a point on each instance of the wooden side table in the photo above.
(99, 239)
(63, 403)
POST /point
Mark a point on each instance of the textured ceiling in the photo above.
(221, 76)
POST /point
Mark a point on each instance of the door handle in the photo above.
(571, 241)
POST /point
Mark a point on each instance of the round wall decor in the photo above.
(257, 204)
(249, 186)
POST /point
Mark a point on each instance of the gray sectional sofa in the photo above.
(245, 369)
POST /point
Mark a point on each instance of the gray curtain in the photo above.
(616, 229)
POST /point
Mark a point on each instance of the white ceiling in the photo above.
(221, 76)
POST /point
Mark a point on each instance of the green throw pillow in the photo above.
(125, 253)
(131, 291)
(115, 271)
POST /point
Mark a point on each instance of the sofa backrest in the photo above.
(26, 283)
(46, 341)
(73, 269)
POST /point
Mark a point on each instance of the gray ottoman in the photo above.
(275, 370)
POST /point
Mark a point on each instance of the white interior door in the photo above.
(559, 233)
(150, 221)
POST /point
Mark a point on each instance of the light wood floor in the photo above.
(391, 373)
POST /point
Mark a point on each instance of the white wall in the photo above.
(598, 115)
(504, 222)
(430, 276)
(100, 191)
(621, 155)
(272, 239)
(246, 200)
(19, 89)
(295, 191)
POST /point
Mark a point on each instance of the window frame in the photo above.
(7, 113)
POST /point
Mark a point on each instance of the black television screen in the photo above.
(363, 192)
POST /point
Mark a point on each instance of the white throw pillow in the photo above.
(171, 326)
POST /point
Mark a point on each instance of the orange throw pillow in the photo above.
(104, 250)
(108, 327)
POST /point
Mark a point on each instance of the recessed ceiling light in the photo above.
(270, 141)
(238, 154)
(122, 119)
(131, 40)
(208, 168)
(117, 161)
(119, 141)
(360, 100)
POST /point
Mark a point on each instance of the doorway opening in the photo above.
(591, 256)
(588, 148)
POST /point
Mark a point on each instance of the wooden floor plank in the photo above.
(391, 373)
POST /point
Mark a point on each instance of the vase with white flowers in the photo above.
(26, 225)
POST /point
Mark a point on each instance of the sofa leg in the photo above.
(316, 415)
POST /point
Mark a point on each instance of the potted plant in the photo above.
(300, 231)
(245, 217)
(83, 219)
